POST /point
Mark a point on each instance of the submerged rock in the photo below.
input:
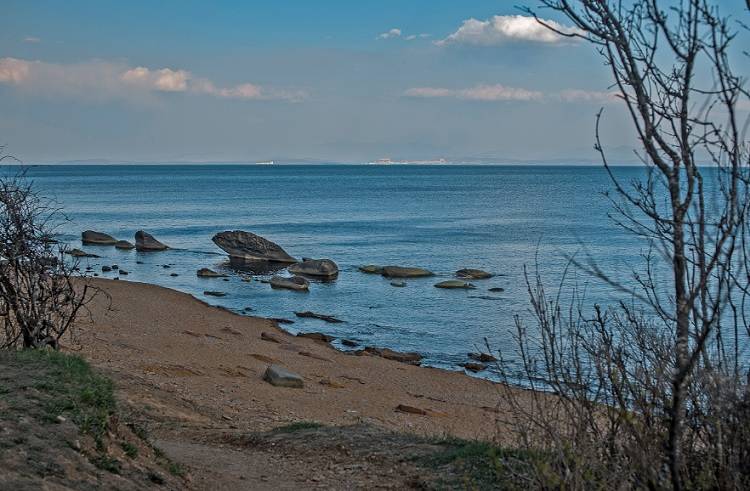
(89, 237)
(482, 357)
(281, 377)
(455, 284)
(124, 244)
(389, 354)
(80, 253)
(398, 284)
(146, 242)
(106, 269)
(473, 274)
(323, 317)
(316, 336)
(324, 268)
(248, 246)
(404, 272)
(371, 269)
(208, 273)
(214, 294)
(297, 283)
(473, 367)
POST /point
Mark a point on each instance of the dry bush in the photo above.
(41, 295)
(653, 392)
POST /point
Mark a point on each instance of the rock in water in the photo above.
(402, 272)
(80, 253)
(316, 336)
(371, 269)
(389, 354)
(89, 237)
(482, 357)
(124, 244)
(208, 273)
(146, 242)
(398, 284)
(323, 317)
(454, 284)
(214, 294)
(473, 367)
(281, 377)
(473, 274)
(324, 268)
(251, 247)
(297, 283)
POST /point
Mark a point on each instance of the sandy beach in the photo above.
(216, 360)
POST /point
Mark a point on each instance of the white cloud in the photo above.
(412, 37)
(393, 33)
(165, 79)
(502, 29)
(13, 70)
(487, 93)
(577, 95)
(32, 39)
(117, 80)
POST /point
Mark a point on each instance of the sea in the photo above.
(512, 221)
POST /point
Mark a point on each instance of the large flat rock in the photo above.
(281, 377)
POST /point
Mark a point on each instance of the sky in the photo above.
(285, 80)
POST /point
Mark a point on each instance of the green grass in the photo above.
(75, 391)
(479, 465)
(298, 426)
(129, 449)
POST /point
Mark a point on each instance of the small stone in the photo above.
(61, 419)
(281, 377)
(266, 336)
(106, 269)
(403, 408)
(123, 272)
(214, 293)
(398, 284)
(173, 275)
(208, 273)
(455, 284)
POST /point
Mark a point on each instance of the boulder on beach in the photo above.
(323, 268)
(251, 247)
(146, 242)
(89, 237)
(473, 274)
(455, 284)
(281, 377)
(297, 283)
(403, 272)
(80, 253)
(371, 269)
(209, 273)
(124, 244)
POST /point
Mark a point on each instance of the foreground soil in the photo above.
(190, 377)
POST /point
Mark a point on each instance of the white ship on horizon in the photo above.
(268, 162)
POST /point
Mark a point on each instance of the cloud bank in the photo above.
(504, 29)
(101, 78)
(501, 93)
(390, 34)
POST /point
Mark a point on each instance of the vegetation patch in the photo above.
(298, 426)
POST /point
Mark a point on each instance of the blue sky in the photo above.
(297, 80)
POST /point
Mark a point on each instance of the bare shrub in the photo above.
(653, 392)
(40, 293)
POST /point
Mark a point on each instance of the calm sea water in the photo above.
(496, 218)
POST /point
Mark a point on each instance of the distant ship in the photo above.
(270, 162)
(381, 162)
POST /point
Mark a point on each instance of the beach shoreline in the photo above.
(153, 337)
